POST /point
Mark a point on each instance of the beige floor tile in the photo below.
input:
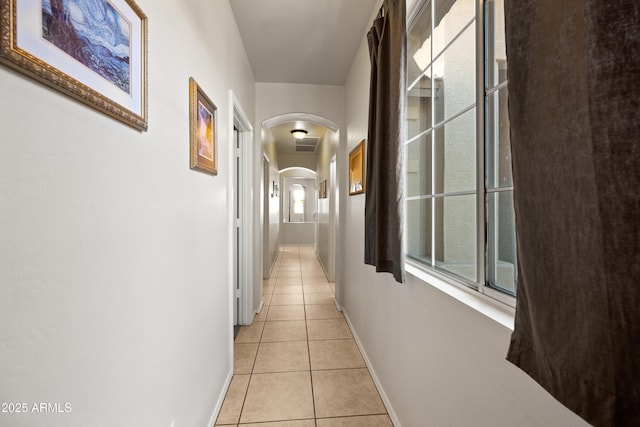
(289, 281)
(250, 333)
(358, 421)
(291, 267)
(334, 354)
(244, 355)
(314, 281)
(287, 299)
(289, 273)
(286, 312)
(282, 357)
(316, 289)
(268, 290)
(290, 330)
(330, 329)
(233, 401)
(324, 311)
(278, 397)
(345, 392)
(266, 299)
(326, 298)
(262, 316)
(296, 423)
(333, 288)
(317, 277)
(287, 289)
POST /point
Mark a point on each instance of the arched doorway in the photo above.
(314, 151)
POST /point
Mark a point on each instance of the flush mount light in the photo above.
(299, 133)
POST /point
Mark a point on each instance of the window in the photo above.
(459, 192)
(297, 194)
(298, 200)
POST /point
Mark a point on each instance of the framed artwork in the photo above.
(202, 124)
(322, 189)
(94, 51)
(356, 170)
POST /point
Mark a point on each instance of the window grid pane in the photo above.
(454, 77)
(419, 221)
(498, 144)
(495, 46)
(456, 235)
(418, 160)
(455, 154)
(502, 259)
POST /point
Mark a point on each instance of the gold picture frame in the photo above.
(357, 183)
(322, 189)
(40, 39)
(202, 130)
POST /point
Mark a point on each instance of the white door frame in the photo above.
(240, 121)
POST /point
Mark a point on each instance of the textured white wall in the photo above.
(325, 240)
(114, 255)
(439, 362)
(273, 218)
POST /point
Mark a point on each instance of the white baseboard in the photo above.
(376, 381)
(218, 407)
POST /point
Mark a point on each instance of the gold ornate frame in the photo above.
(28, 63)
(356, 170)
(198, 160)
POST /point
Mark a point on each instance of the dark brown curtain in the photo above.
(384, 205)
(574, 106)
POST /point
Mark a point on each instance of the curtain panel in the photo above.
(574, 107)
(384, 200)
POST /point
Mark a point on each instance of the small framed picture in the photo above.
(202, 123)
(356, 170)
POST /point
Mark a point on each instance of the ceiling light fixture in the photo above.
(299, 133)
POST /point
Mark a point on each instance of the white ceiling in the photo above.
(302, 41)
(281, 135)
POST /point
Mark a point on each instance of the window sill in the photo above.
(495, 310)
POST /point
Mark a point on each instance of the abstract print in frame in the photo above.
(202, 135)
(92, 50)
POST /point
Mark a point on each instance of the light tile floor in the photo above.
(298, 364)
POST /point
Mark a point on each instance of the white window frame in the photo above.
(478, 295)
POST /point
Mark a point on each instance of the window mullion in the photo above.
(433, 144)
(480, 148)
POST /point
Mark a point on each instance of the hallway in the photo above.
(298, 364)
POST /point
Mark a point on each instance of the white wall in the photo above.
(439, 362)
(326, 229)
(272, 225)
(114, 255)
(297, 160)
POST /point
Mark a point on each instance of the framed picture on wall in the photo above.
(322, 194)
(94, 51)
(202, 124)
(356, 170)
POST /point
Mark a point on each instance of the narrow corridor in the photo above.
(298, 364)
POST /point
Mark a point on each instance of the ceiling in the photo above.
(281, 136)
(302, 41)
